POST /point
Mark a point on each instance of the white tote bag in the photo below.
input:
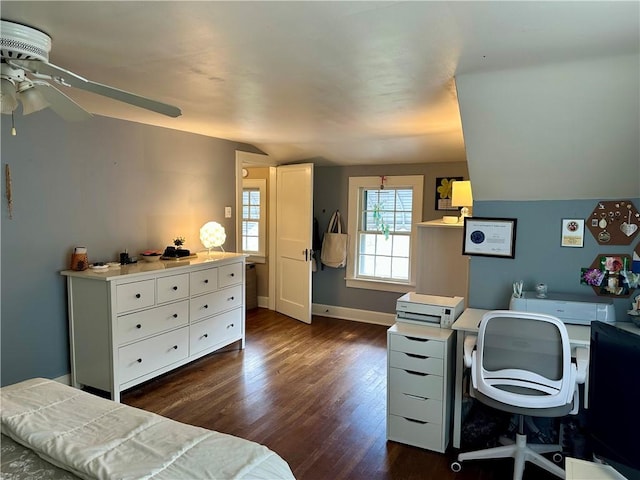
(334, 244)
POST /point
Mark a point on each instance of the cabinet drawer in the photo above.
(419, 346)
(212, 303)
(417, 363)
(415, 408)
(175, 287)
(421, 434)
(153, 353)
(419, 384)
(224, 328)
(132, 296)
(229, 275)
(149, 322)
(203, 281)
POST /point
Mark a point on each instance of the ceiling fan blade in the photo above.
(65, 77)
(60, 103)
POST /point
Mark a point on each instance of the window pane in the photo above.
(401, 246)
(383, 246)
(404, 200)
(254, 197)
(368, 244)
(253, 229)
(366, 265)
(254, 213)
(252, 244)
(383, 267)
(400, 269)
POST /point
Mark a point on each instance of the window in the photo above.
(381, 229)
(253, 217)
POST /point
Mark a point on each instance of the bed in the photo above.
(51, 430)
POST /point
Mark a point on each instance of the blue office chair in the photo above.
(522, 364)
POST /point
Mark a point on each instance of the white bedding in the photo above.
(96, 438)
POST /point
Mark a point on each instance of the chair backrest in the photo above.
(524, 359)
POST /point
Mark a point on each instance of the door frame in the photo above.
(259, 160)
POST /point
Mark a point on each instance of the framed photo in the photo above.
(443, 193)
(489, 237)
(572, 232)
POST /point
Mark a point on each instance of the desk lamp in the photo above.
(461, 196)
(212, 234)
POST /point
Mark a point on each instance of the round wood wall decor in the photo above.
(614, 222)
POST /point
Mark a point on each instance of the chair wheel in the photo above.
(557, 457)
(456, 467)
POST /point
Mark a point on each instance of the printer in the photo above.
(572, 309)
(429, 310)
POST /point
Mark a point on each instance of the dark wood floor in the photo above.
(315, 394)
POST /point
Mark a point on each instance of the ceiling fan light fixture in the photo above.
(8, 100)
(32, 100)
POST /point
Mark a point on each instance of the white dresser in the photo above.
(420, 385)
(128, 325)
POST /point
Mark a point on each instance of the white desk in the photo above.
(582, 470)
(468, 322)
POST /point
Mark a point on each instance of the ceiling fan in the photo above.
(26, 76)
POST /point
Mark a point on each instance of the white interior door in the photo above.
(294, 230)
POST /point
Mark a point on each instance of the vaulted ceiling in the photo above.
(340, 82)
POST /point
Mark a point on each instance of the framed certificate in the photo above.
(489, 237)
(572, 232)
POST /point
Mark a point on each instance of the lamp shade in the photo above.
(461, 195)
(212, 234)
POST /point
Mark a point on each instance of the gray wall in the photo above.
(331, 192)
(105, 184)
(539, 258)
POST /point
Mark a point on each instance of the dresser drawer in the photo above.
(144, 357)
(419, 384)
(223, 328)
(230, 275)
(414, 432)
(132, 296)
(203, 281)
(175, 287)
(417, 363)
(135, 326)
(415, 408)
(419, 346)
(212, 303)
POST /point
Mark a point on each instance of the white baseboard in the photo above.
(354, 314)
(263, 302)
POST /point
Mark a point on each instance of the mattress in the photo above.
(96, 438)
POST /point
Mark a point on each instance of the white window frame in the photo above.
(261, 185)
(356, 184)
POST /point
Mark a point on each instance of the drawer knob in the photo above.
(138, 326)
(206, 306)
(175, 347)
(206, 335)
(206, 280)
(139, 360)
(231, 298)
(175, 288)
(138, 295)
(230, 325)
(175, 315)
(233, 274)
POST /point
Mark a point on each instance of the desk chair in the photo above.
(522, 364)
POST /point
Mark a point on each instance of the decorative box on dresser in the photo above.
(130, 324)
(420, 385)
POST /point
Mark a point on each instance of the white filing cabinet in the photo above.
(420, 385)
(128, 325)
